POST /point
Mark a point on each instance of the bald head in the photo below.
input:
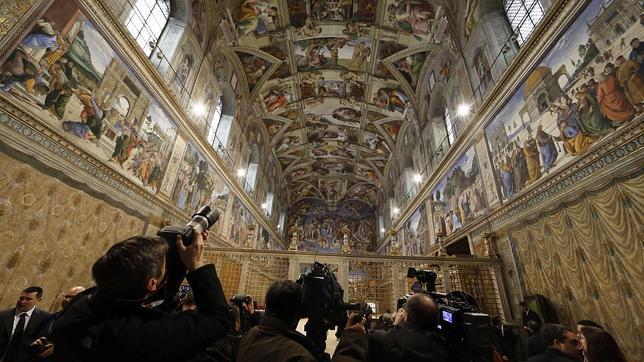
(422, 311)
(71, 293)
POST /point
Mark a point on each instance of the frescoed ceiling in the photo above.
(345, 83)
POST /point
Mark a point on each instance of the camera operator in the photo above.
(414, 338)
(275, 338)
(248, 316)
(109, 323)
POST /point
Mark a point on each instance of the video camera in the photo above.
(460, 321)
(323, 297)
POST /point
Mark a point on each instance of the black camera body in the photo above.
(466, 330)
(201, 221)
(241, 299)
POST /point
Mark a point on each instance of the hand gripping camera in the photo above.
(201, 221)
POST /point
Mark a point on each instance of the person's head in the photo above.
(132, 269)
(523, 306)
(283, 300)
(599, 345)
(189, 302)
(422, 311)
(563, 339)
(635, 42)
(533, 326)
(497, 322)
(71, 293)
(28, 298)
(587, 323)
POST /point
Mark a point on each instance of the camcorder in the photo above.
(323, 300)
(241, 299)
(467, 331)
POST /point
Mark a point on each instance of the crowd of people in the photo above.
(136, 312)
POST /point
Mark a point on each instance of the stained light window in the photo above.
(146, 22)
(449, 125)
(524, 15)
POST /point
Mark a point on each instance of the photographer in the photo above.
(414, 338)
(275, 338)
(248, 316)
(109, 323)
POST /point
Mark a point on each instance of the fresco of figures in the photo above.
(65, 73)
(587, 86)
(254, 67)
(323, 228)
(416, 233)
(198, 184)
(459, 196)
(339, 53)
(240, 219)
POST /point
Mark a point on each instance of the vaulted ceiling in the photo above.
(337, 80)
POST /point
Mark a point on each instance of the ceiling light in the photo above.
(464, 110)
(199, 109)
(396, 210)
(241, 172)
(418, 178)
(382, 230)
(263, 205)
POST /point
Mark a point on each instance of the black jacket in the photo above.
(31, 333)
(551, 355)
(505, 342)
(535, 344)
(274, 340)
(530, 315)
(407, 344)
(96, 327)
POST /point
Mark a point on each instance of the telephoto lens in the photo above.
(201, 221)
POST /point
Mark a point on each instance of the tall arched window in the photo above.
(524, 15)
(146, 22)
(449, 125)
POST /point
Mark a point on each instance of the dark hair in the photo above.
(497, 321)
(283, 300)
(601, 346)
(523, 304)
(554, 332)
(534, 326)
(422, 311)
(589, 323)
(125, 269)
(34, 289)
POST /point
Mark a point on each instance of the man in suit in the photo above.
(535, 344)
(505, 340)
(562, 345)
(21, 325)
(528, 314)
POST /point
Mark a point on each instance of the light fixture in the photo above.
(382, 230)
(264, 206)
(418, 178)
(199, 109)
(396, 210)
(241, 172)
(464, 110)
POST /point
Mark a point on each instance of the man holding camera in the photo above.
(275, 338)
(414, 338)
(109, 322)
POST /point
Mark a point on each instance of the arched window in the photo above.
(449, 125)
(524, 15)
(146, 22)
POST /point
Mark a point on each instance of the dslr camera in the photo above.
(201, 221)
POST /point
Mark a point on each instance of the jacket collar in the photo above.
(279, 326)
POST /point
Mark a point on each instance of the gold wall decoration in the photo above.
(53, 233)
(586, 258)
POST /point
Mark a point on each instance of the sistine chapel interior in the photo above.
(496, 143)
